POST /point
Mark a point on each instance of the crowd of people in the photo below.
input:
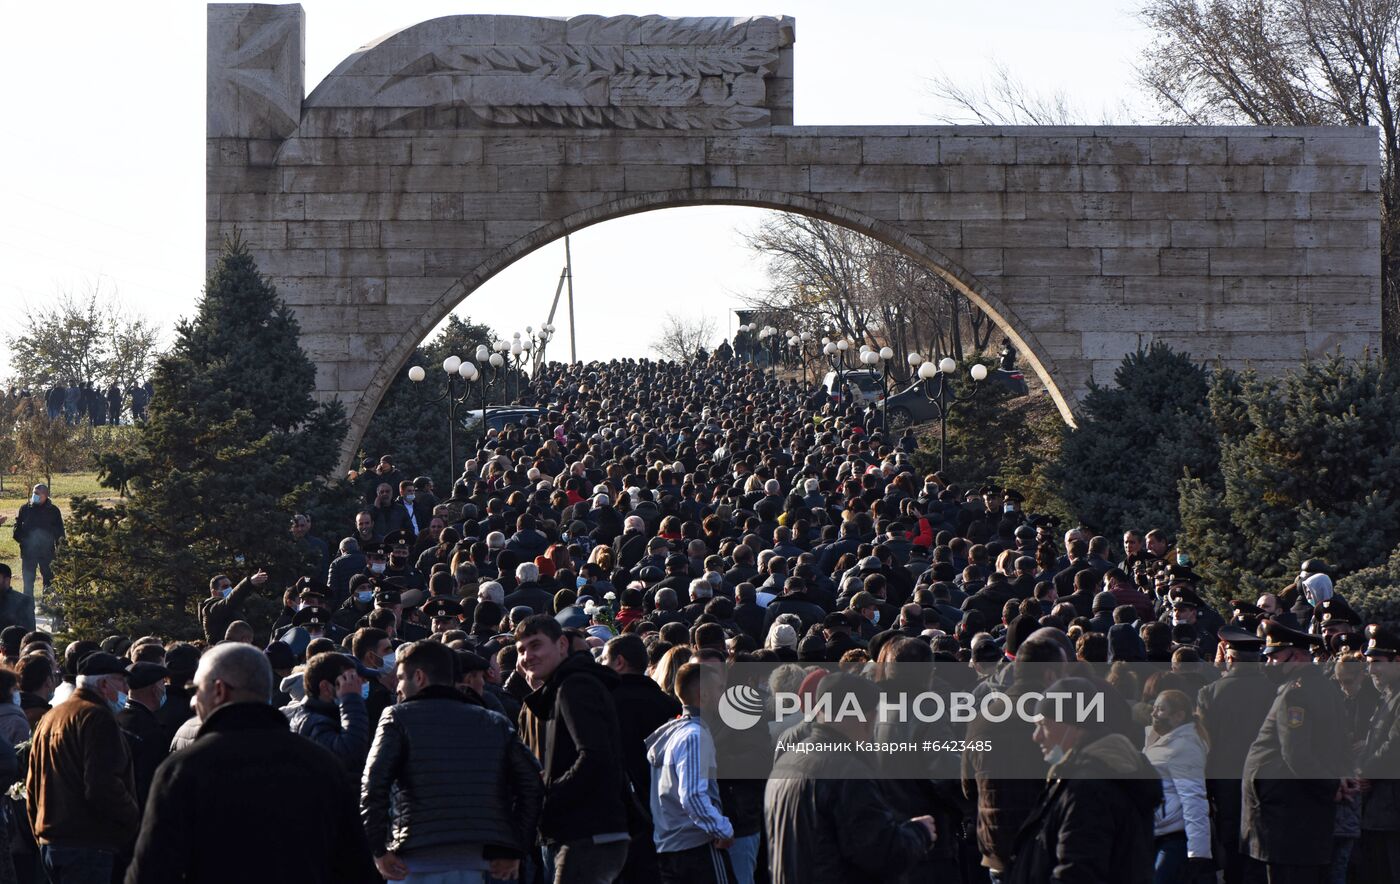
(517, 679)
(80, 401)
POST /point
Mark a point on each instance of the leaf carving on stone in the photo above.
(686, 73)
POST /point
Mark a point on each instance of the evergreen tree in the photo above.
(1375, 592)
(233, 446)
(1309, 467)
(411, 420)
(1119, 468)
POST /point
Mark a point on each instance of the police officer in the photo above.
(1186, 620)
(1298, 766)
(443, 613)
(1333, 617)
(1233, 708)
(1380, 762)
(400, 544)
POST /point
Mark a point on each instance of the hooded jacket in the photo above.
(570, 723)
(1093, 822)
(685, 799)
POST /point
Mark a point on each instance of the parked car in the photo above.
(911, 406)
(497, 418)
(869, 383)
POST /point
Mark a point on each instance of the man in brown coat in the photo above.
(82, 803)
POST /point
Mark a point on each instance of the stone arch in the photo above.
(999, 312)
(434, 157)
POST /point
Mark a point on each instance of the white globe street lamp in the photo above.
(947, 365)
(416, 374)
(450, 364)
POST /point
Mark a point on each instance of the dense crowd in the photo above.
(517, 680)
(79, 402)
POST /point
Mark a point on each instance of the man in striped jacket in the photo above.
(692, 834)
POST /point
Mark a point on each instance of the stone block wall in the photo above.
(1254, 245)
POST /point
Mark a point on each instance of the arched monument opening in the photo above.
(430, 160)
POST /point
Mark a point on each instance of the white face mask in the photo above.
(1055, 755)
(390, 660)
(875, 618)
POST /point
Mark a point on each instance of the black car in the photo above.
(910, 405)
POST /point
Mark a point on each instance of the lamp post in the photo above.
(943, 398)
(519, 350)
(455, 367)
(747, 331)
(538, 342)
(872, 357)
(769, 336)
(836, 352)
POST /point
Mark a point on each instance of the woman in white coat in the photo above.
(1176, 746)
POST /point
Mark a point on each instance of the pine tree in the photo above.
(1119, 468)
(233, 446)
(1375, 592)
(1309, 467)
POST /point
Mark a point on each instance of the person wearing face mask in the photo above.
(407, 513)
(82, 795)
(144, 735)
(1176, 746)
(400, 568)
(333, 712)
(375, 651)
(38, 531)
(1094, 819)
(14, 726)
(225, 603)
(357, 604)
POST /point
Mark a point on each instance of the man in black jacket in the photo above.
(827, 816)
(571, 724)
(247, 766)
(794, 600)
(452, 810)
(642, 707)
(225, 603)
(38, 529)
(1093, 821)
(16, 609)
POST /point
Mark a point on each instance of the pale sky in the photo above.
(102, 154)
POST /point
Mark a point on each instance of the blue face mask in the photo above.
(162, 701)
(364, 597)
(226, 591)
(34, 499)
(364, 691)
(121, 701)
(581, 582)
